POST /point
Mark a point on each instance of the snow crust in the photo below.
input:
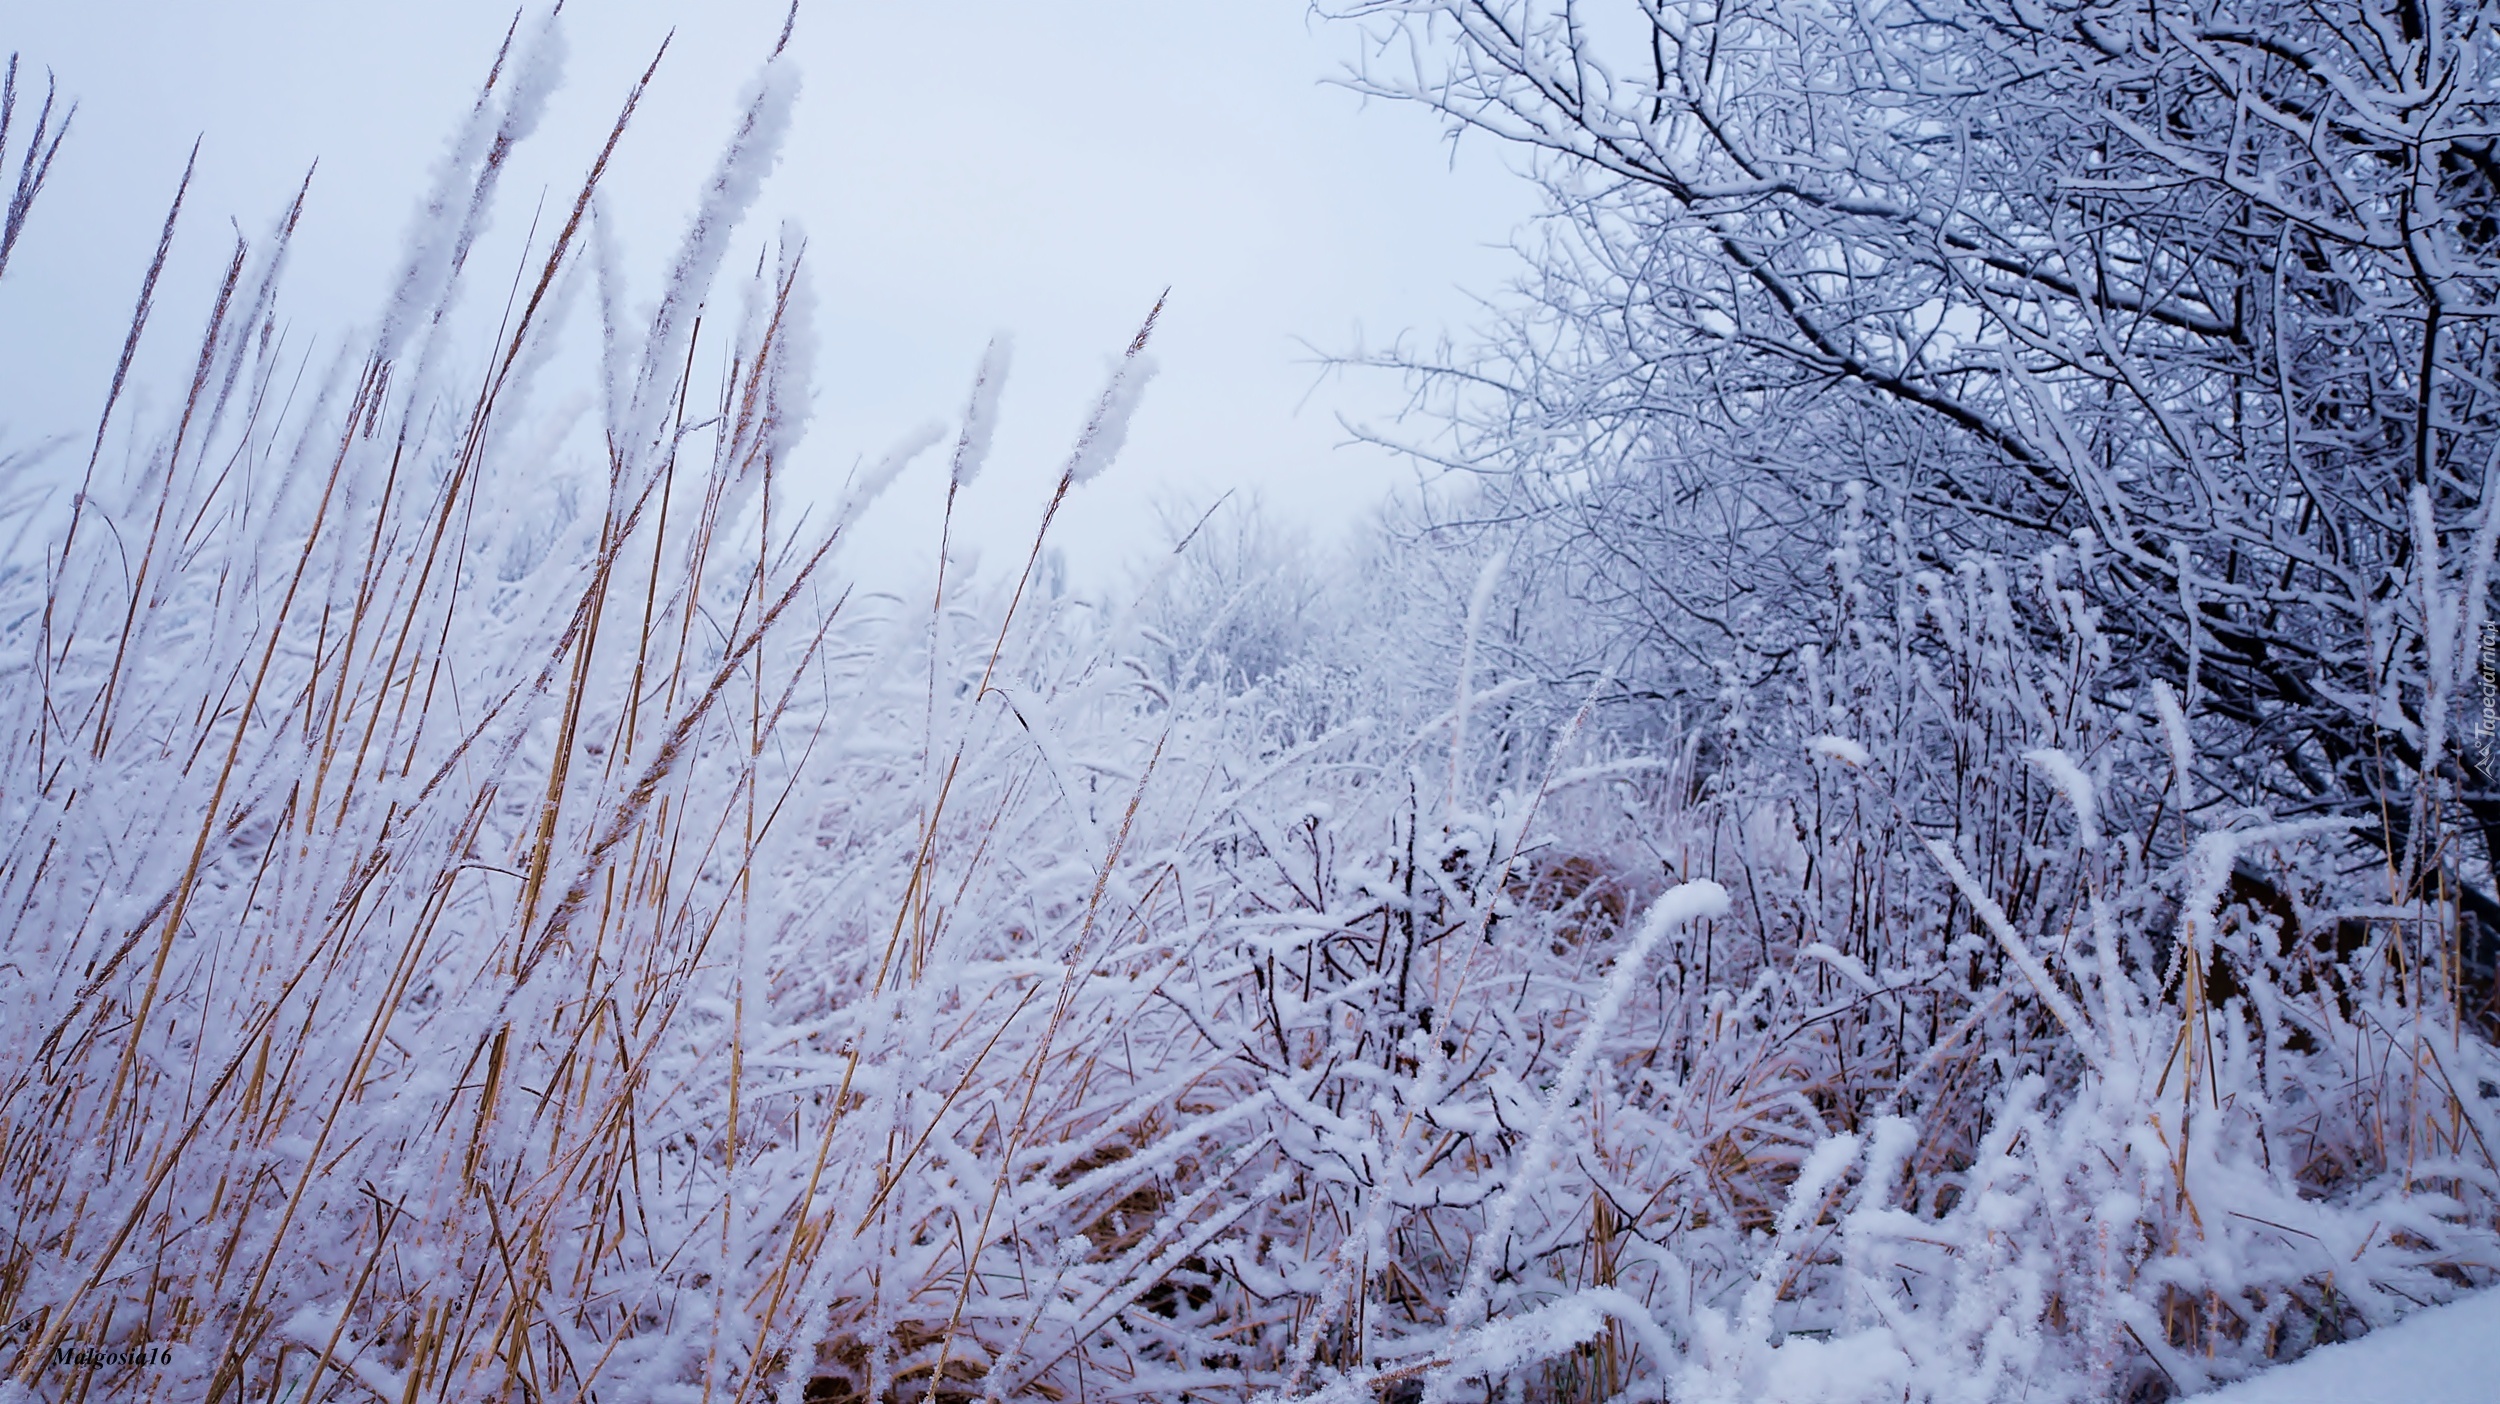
(2443, 1355)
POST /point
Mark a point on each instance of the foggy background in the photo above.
(960, 167)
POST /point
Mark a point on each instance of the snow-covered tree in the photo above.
(2206, 288)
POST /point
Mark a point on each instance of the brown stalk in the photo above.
(225, 773)
(156, 529)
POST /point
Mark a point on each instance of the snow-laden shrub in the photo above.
(2021, 1062)
(2149, 1087)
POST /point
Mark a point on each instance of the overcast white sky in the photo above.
(961, 166)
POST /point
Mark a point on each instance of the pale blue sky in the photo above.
(960, 165)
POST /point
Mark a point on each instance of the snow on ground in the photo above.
(2446, 1355)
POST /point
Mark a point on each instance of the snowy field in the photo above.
(1907, 814)
(2441, 1355)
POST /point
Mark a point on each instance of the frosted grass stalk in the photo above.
(1698, 900)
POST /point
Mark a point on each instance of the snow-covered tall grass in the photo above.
(488, 913)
